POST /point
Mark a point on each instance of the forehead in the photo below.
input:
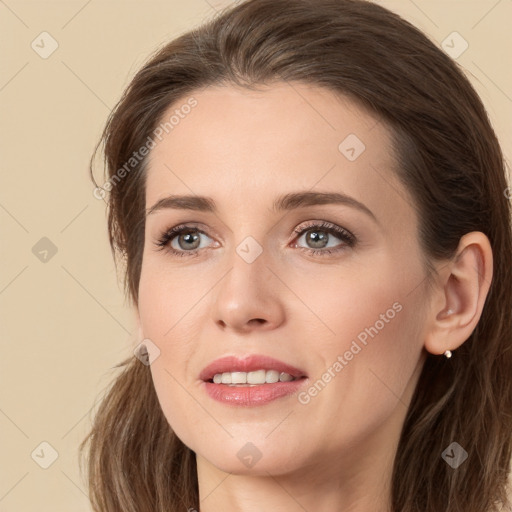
(245, 147)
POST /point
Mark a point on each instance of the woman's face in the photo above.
(334, 289)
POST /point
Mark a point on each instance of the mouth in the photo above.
(254, 378)
(253, 370)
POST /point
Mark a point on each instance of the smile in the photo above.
(252, 378)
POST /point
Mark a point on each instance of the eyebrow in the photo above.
(286, 202)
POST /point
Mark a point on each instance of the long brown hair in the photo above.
(450, 162)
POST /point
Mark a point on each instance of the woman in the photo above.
(317, 239)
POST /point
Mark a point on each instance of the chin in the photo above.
(256, 459)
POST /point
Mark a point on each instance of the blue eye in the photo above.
(319, 234)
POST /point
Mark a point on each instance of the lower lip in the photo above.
(252, 395)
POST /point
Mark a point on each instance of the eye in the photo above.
(318, 236)
(185, 240)
(182, 240)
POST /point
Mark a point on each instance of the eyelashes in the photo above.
(191, 234)
(348, 239)
(166, 238)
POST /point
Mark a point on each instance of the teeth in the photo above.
(257, 377)
(272, 376)
(239, 378)
(252, 378)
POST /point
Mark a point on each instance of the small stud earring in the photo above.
(448, 354)
(449, 312)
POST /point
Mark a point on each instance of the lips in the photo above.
(249, 364)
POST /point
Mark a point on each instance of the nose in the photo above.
(249, 296)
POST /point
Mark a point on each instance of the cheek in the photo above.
(168, 306)
(360, 303)
(367, 350)
(167, 301)
(184, 415)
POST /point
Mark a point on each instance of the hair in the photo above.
(449, 161)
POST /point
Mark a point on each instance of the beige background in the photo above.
(64, 322)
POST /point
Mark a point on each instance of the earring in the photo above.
(448, 353)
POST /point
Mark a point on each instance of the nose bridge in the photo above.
(247, 291)
(249, 244)
(248, 262)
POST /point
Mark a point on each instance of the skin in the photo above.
(244, 148)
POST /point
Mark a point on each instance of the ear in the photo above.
(459, 295)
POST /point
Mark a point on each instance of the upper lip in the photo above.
(248, 364)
